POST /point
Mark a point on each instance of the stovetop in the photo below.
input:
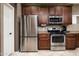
(56, 32)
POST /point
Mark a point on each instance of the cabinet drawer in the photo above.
(44, 38)
(43, 35)
(70, 36)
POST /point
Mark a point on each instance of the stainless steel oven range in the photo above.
(57, 42)
(57, 38)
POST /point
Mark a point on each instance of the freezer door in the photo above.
(32, 25)
(23, 44)
(32, 44)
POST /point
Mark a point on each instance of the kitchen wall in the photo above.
(0, 29)
(18, 15)
(74, 27)
(75, 14)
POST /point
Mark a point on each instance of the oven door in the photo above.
(58, 39)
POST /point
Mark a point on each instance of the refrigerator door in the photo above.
(25, 27)
(32, 25)
(32, 43)
(23, 34)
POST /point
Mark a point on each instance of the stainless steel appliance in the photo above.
(28, 33)
(55, 20)
(57, 42)
(57, 38)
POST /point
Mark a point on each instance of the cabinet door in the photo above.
(43, 41)
(43, 10)
(44, 44)
(67, 13)
(52, 11)
(43, 19)
(43, 15)
(34, 10)
(59, 10)
(70, 42)
(77, 40)
(26, 10)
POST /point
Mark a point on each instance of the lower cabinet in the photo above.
(43, 41)
(70, 41)
(77, 40)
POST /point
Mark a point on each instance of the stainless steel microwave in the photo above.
(55, 20)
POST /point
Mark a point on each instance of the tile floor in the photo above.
(48, 53)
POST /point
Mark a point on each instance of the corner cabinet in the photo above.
(70, 41)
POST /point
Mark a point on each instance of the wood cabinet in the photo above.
(52, 11)
(70, 41)
(56, 10)
(34, 10)
(67, 13)
(44, 41)
(44, 12)
(43, 19)
(26, 10)
(77, 40)
(43, 16)
(59, 10)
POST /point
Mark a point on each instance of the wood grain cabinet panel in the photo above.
(52, 11)
(43, 41)
(56, 10)
(35, 10)
(43, 19)
(59, 10)
(67, 13)
(28, 10)
(43, 16)
(43, 10)
(77, 40)
(44, 44)
(70, 41)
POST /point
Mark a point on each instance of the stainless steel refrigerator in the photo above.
(28, 33)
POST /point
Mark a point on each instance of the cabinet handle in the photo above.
(10, 33)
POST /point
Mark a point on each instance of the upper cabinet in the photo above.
(43, 16)
(56, 11)
(59, 10)
(44, 11)
(34, 10)
(26, 10)
(52, 10)
(67, 13)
